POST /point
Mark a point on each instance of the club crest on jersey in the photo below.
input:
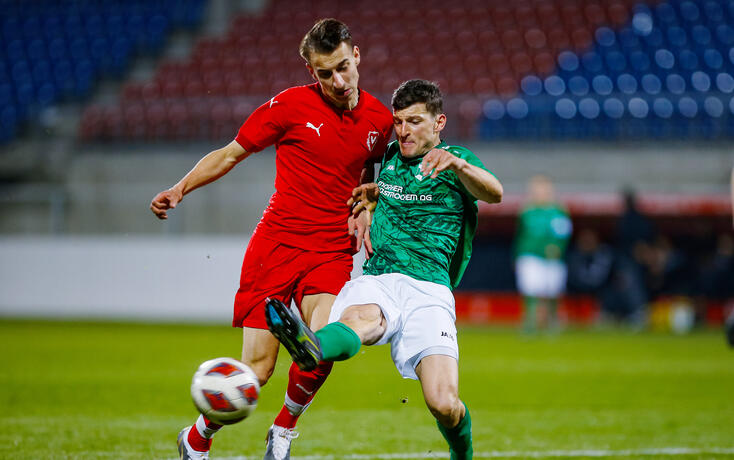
(372, 139)
(418, 175)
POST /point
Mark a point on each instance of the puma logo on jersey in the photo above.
(272, 101)
(371, 139)
(310, 125)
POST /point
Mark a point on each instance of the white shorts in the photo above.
(420, 316)
(538, 277)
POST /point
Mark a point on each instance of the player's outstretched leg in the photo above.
(293, 333)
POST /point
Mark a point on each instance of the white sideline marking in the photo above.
(521, 454)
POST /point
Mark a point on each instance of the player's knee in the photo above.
(445, 406)
(363, 317)
(263, 368)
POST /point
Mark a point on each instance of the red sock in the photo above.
(302, 387)
(200, 435)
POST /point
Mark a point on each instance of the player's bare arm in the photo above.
(210, 168)
(480, 183)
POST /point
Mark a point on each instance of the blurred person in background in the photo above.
(543, 232)
(634, 229)
(626, 299)
(590, 264)
(327, 135)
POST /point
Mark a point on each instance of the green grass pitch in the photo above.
(83, 390)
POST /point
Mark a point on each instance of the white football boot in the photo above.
(279, 443)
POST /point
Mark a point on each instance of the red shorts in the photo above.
(273, 269)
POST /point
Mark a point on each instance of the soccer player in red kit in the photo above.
(326, 136)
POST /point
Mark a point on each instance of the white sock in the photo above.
(204, 430)
(293, 407)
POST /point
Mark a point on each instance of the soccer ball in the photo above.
(225, 390)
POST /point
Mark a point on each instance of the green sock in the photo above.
(552, 313)
(459, 438)
(338, 342)
(531, 314)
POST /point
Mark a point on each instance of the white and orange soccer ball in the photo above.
(225, 390)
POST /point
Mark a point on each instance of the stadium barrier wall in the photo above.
(122, 277)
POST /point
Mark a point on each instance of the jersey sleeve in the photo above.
(264, 126)
(473, 160)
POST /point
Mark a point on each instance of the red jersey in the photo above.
(320, 151)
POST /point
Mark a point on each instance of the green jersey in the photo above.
(422, 227)
(543, 231)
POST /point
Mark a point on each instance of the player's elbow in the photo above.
(494, 193)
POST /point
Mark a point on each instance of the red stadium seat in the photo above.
(521, 64)
(544, 63)
(484, 86)
(507, 86)
(134, 120)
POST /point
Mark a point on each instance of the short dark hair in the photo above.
(324, 37)
(416, 91)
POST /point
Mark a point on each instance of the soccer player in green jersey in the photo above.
(421, 237)
(543, 231)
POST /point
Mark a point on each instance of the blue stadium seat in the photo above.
(639, 61)
(627, 84)
(689, 11)
(700, 81)
(638, 107)
(602, 85)
(664, 59)
(713, 59)
(687, 60)
(589, 108)
(666, 14)
(713, 106)
(725, 82)
(687, 107)
(675, 83)
(531, 85)
(568, 61)
(578, 85)
(613, 108)
(677, 37)
(554, 85)
(651, 84)
(663, 108)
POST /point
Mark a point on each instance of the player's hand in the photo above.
(364, 197)
(359, 227)
(167, 199)
(439, 160)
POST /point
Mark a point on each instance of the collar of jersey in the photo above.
(441, 145)
(337, 109)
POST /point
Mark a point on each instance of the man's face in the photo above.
(417, 129)
(541, 190)
(337, 75)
